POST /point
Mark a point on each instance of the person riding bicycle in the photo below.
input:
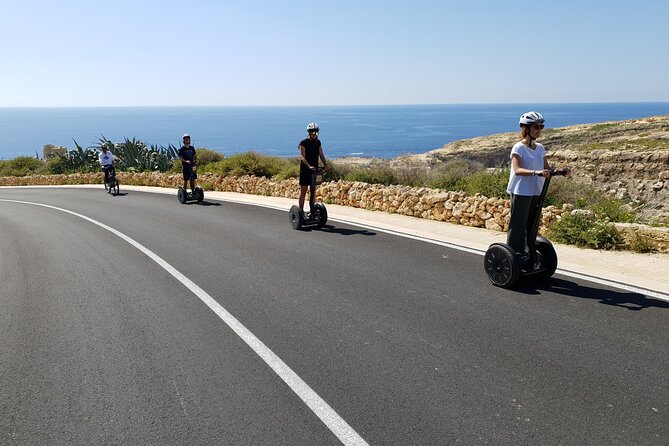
(310, 150)
(188, 162)
(106, 160)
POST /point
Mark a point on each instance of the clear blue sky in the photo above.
(339, 52)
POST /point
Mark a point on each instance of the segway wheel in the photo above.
(501, 265)
(296, 217)
(198, 194)
(182, 195)
(322, 213)
(548, 259)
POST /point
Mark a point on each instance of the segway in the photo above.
(318, 214)
(505, 267)
(196, 194)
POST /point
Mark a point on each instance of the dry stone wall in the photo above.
(433, 204)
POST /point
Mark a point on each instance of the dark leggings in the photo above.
(523, 212)
(108, 170)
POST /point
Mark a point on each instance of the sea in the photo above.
(383, 131)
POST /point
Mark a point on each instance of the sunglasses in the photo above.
(537, 126)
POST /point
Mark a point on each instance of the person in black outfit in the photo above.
(188, 162)
(310, 150)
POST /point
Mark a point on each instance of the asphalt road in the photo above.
(406, 341)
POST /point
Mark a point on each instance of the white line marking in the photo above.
(328, 416)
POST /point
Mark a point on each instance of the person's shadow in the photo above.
(341, 231)
(201, 203)
(207, 203)
(624, 299)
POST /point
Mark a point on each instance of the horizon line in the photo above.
(333, 105)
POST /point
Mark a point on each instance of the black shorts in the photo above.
(305, 176)
(187, 170)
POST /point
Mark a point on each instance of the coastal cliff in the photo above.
(628, 159)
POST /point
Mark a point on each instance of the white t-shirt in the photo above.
(106, 158)
(529, 159)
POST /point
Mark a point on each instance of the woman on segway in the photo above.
(529, 169)
(525, 253)
(310, 150)
(188, 163)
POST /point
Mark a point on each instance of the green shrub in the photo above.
(611, 209)
(412, 176)
(374, 175)
(605, 126)
(206, 156)
(57, 165)
(336, 171)
(249, 163)
(469, 177)
(565, 190)
(20, 167)
(451, 175)
(584, 230)
(583, 196)
(176, 166)
(488, 183)
(290, 170)
(4, 168)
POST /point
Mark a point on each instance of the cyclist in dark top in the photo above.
(188, 162)
(310, 151)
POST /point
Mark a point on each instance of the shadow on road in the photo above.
(202, 203)
(341, 231)
(623, 299)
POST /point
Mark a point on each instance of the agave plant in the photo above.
(164, 157)
(135, 155)
(79, 159)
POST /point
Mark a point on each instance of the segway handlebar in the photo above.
(556, 172)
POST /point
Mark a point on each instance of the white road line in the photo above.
(328, 416)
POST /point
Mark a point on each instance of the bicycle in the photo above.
(112, 184)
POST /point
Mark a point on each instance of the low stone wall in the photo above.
(432, 204)
(657, 237)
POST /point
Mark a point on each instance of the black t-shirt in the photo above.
(187, 153)
(311, 150)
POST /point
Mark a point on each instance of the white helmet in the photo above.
(312, 127)
(186, 135)
(530, 118)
